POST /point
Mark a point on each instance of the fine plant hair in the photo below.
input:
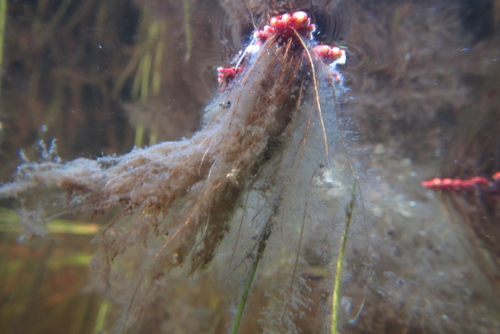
(176, 201)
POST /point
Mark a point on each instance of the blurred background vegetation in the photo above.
(96, 74)
(99, 76)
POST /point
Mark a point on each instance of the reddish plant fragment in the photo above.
(226, 75)
(329, 53)
(287, 25)
(457, 185)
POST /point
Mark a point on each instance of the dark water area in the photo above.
(295, 205)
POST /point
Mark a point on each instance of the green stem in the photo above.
(248, 283)
(340, 261)
(101, 317)
(187, 25)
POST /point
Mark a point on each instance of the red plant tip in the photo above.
(226, 75)
(263, 34)
(286, 26)
(496, 177)
(457, 184)
(329, 53)
(441, 184)
(301, 17)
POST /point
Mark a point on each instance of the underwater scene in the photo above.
(249, 166)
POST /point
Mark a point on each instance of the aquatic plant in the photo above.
(180, 198)
(267, 219)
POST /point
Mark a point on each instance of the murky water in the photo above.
(298, 206)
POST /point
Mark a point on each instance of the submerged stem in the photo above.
(248, 284)
(3, 24)
(340, 260)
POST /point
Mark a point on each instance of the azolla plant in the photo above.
(234, 200)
